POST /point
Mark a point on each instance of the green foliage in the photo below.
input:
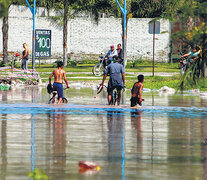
(192, 15)
(191, 77)
(72, 63)
(38, 175)
(3, 8)
(15, 63)
(148, 8)
(88, 61)
(5, 4)
(2, 64)
(75, 6)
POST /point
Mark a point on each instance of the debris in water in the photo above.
(204, 142)
(88, 167)
(166, 89)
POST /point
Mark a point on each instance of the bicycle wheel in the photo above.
(51, 101)
(182, 70)
(114, 98)
(64, 100)
(98, 70)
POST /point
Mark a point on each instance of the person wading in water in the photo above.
(59, 74)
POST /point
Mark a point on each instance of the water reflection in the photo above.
(32, 144)
(136, 122)
(56, 150)
(3, 148)
(116, 142)
(59, 142)
(149, 143)
(204, 146)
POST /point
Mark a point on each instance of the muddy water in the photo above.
(163, 140)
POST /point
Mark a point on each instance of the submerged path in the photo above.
(178, 112)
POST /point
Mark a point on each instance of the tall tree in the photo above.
(193, 15)
(111, 7)
(66, 9)
(5, 27)
(5, 4)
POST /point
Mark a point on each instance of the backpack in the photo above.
(49, 88)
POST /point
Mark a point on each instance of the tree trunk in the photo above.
(5, 29)
(65, 33)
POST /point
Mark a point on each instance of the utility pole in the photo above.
(124, 12)
(33, 11)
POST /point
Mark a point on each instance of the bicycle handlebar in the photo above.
(65, 88)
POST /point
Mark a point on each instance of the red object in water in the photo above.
(88, 167)
(17, 54)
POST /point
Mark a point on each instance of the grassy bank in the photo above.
(138, 66)
(174, 82)
(150, 82)
(157, 82)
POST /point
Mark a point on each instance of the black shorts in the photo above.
(110, 89)
(135, 101)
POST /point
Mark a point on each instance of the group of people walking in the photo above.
(115, 70)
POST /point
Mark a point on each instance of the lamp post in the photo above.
(33, 11)
(124, 12)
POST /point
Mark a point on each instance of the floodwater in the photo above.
(161, 140)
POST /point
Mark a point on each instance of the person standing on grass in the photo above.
(25, 57)
(59, 74)
(137, 91)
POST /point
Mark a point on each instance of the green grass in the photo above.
(157, 82)
(144, 66)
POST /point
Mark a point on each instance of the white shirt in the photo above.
(112, 53)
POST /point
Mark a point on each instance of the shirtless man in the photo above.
(137, 91)
(59, 74)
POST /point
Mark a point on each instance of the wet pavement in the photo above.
(162, 140)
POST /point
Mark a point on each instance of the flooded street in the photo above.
(162, 140)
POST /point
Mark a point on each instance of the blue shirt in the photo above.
(114, 68)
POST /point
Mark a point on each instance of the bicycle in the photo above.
(54, 99)
(183, 63)
(115, 98)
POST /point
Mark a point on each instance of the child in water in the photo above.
(137, 91)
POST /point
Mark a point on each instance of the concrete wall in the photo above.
(85, 36)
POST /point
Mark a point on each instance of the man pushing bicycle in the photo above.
(59, 74)
(116, 81)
